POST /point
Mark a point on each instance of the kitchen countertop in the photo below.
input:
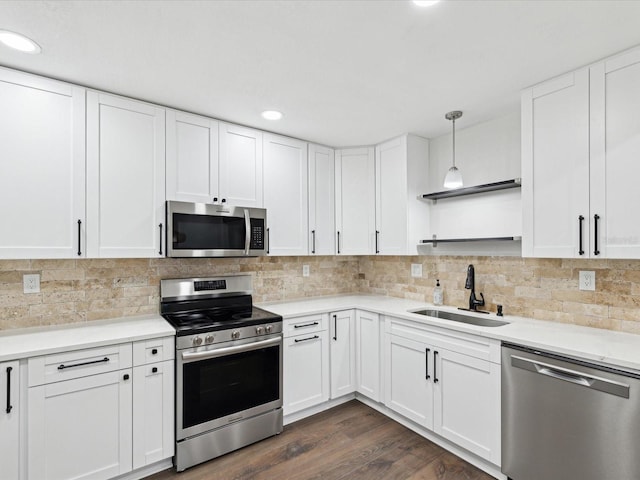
(31, 342)
(617, 349)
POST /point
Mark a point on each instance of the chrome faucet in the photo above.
(474, 303)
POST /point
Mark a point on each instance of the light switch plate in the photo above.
(305, 270)
(587, 280)
(31, 283)
(416, 270)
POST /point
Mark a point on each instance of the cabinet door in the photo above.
(408, 379)
(355, 201)
(391, 197)
(240, 166)
(467, 403)
(555, 167)
(305, 371)
(42, 165)
(285, 195)
(615, 150)
(125, 177)
(153, 413)
(9, 420)
(368, 354)
(343, 355)
(322, 225)
(192, 158)
(80, 428)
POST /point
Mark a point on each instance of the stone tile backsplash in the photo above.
(547, 289)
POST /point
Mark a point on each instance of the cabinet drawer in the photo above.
(154, 350)
(306, 324)
(78, 363)
(472, 345)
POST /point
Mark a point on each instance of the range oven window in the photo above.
(221, 386)
(208, 232)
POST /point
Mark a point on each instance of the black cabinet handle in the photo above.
(335, 327)
(62, 366)
(313, 236)
(305, 339)
(426, 363)
(268, 240)
(126, 376)
(580, 220)
(79, 237)
(154, 370)
(9, 406)
(338, 241)
(215, 199)
(435, 362)
(160, 226)
(377, 235)
(154, 351)
(596, 217)
(224, 200)
(306, 325)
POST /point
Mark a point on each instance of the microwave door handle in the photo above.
(247, 228)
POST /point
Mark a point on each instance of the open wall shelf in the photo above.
(487, 187)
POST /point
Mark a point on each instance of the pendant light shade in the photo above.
(453, 179)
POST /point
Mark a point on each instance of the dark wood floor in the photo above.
(351, 441)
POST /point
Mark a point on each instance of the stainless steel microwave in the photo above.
(208, 230)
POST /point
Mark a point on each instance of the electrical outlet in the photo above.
(416, 270)
(305, 270)
(31, 283)
(587, 280)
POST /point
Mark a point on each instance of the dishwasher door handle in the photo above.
(579, 378)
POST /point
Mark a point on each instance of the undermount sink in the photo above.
(458, 317)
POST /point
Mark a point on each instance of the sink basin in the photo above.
(459, 317)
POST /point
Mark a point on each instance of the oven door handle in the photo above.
(247, 229)
(195, 356)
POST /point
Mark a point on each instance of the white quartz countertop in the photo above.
(603, 346)
(31, 342)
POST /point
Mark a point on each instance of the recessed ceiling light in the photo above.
(272, 115)
(19, 42)
(425, 3)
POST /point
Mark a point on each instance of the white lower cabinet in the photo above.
(10, 420)
(306, 363)
(343, 353)
(367, 339)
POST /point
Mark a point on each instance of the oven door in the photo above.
(207, 230)
(228, 382)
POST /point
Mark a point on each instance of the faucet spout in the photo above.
(469, 284)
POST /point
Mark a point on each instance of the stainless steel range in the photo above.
(228, 366)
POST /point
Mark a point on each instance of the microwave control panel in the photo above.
(257, 234)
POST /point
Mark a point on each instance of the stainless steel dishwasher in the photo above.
(565, 419)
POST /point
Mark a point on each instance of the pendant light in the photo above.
(453, 178)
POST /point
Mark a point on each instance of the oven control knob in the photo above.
(197, 341)
(235, 335)
(208, 339)
(259, 330)
(268, 328)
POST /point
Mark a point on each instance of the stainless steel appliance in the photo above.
(212, 230)
(564, 418)
(228, 366)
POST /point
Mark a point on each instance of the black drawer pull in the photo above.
(160, 227)
(9, 406)
(154, 370)
(580, 220)
(313, 248)
(596, 217)
(338, 242)
(435, 378)
(377, 235)
(305, 339)
(335, 327)
(62, 367)
(154, 351)
(79, 237)
(306, 325)
(126, 376)
(426, 363)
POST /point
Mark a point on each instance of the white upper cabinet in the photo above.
(355, 201)
(322, 224)
(125, 177)
(615, 155)
(42, 165)
(401, 175)
(192, 158)
(240, 166)
(555, 167)
(285, 195)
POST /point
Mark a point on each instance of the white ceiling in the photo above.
(343, 72)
